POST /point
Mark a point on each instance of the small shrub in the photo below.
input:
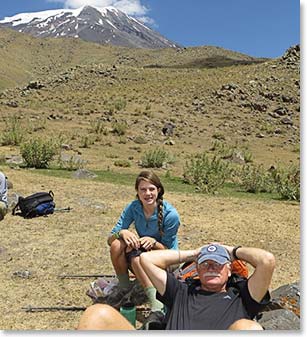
(14, 133)
(38, 153)
(156, 158)
(288, 183)
(140, 140)
(72, 163)
(122, 140)
(255, 179)
(224, 151)
(248, 156)
(122, 163)
(37, 125)
(98, 127)
(120, 104)
(2, 159)
(208, 175)
(119, 128)
(228, 152)
(86, 142)
(219, 136)
(117, 105)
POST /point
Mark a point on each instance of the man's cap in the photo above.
(215, 253)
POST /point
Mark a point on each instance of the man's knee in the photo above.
(103, 317)
(245, 324)
(96, 317)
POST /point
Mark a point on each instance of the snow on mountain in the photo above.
(106, 25)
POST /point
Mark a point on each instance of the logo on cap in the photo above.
(211, 249)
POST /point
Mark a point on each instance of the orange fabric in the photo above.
(239, 267)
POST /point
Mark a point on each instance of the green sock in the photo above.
(123, 280)
(155, 305)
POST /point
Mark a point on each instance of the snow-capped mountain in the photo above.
(106, 25)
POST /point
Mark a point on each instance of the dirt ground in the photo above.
(75, 242)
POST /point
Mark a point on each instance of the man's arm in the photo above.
(264, 264)
(155, 263)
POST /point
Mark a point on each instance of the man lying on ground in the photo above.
(207, 306)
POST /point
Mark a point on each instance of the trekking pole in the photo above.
(85, 276)
(63, 276)
(30, 308)
(52, 308)
(64, 209)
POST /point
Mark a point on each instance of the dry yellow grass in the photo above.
(75, 242)
(82, 84)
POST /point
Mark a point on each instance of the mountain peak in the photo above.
(105, 25)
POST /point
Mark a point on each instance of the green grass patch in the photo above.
(170, 183)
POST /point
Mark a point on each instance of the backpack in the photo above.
(34, 205)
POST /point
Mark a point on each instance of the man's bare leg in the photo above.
(103, 317)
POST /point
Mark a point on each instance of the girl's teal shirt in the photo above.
(134, 213)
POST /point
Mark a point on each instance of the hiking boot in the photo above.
(155, 321)
(119, 296)
(137, 295)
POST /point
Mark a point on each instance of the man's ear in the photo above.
(229, 270)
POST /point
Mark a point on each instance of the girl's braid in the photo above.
(160, 214)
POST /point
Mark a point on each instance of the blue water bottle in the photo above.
(128, 310)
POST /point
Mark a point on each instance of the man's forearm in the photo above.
(155, 263)
(251, 255)
(168, 257)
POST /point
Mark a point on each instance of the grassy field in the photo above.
(105, 108)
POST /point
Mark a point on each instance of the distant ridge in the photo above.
(106, 25)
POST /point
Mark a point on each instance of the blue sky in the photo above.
(261, 28)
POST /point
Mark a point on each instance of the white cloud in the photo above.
(130, 7)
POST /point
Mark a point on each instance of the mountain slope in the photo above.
(106, 25)
(24, 58)
(255, 105)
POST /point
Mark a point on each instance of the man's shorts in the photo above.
(3, 210)
(134, 253)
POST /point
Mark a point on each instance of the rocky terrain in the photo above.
(107, 106)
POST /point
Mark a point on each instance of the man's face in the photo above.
(213, 276)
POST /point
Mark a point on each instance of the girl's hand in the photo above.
(147, 242)
(130, 239)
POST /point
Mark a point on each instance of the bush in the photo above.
(14, 132)
(98, 127)
(226, 151)
(71, 163)
(120, 104)
(288, 183)
(38, 153)
(156, 158)
(207, 174)
(122, 163)
(119, 128)
(87, 141)
(255, 179)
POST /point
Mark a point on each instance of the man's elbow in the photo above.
(269, 262)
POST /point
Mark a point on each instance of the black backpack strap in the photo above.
(16, 207)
